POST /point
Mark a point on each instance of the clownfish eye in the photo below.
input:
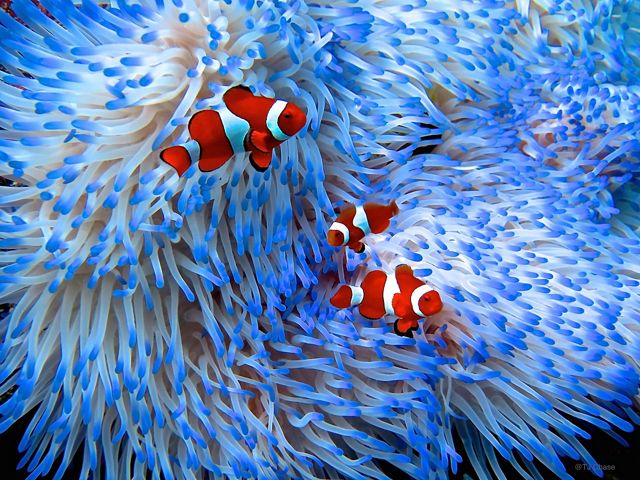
(287, 115)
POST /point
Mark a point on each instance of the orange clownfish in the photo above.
(354, 223)
(399, 293)
(246, 122)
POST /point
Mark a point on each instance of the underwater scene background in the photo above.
(165, 326)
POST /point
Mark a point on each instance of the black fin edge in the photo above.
(408, 333)
(255, 165)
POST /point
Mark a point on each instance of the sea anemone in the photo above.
(180, 326)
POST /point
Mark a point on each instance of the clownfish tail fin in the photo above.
(347, 296)
(393, 208)
(178, 157)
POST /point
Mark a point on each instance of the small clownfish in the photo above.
(354, 223)
(246, 122)
(399, 293)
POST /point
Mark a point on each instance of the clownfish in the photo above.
(354, 223)
(399, 293)
(246, 122)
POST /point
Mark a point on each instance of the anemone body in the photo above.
(181, 326)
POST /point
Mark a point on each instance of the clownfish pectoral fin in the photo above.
(259, 140)
(400, 308)
(178, 157)
(405, 327)
(260, 160)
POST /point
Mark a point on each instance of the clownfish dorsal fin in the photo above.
(407, 281)
(404, 272)
(259, 140)
(236, 94)
(346, 213)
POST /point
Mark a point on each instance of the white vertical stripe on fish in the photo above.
(193, 148)
(272, 120)
(357, 294)
(360, 220)
(235, 128)
(342, 228)
(390, 289)
(415, 298)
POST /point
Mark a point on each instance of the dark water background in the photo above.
(622, 462)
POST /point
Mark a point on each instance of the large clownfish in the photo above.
(246, 122)
(399, 293)
(354, 223)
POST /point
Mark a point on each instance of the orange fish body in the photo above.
(354, 223)
(399, 293)
(245, 122)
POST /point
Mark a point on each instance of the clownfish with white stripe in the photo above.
(399, 293)
(246, 122)
(354, 223)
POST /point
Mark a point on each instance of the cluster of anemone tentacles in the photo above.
(180, 327)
